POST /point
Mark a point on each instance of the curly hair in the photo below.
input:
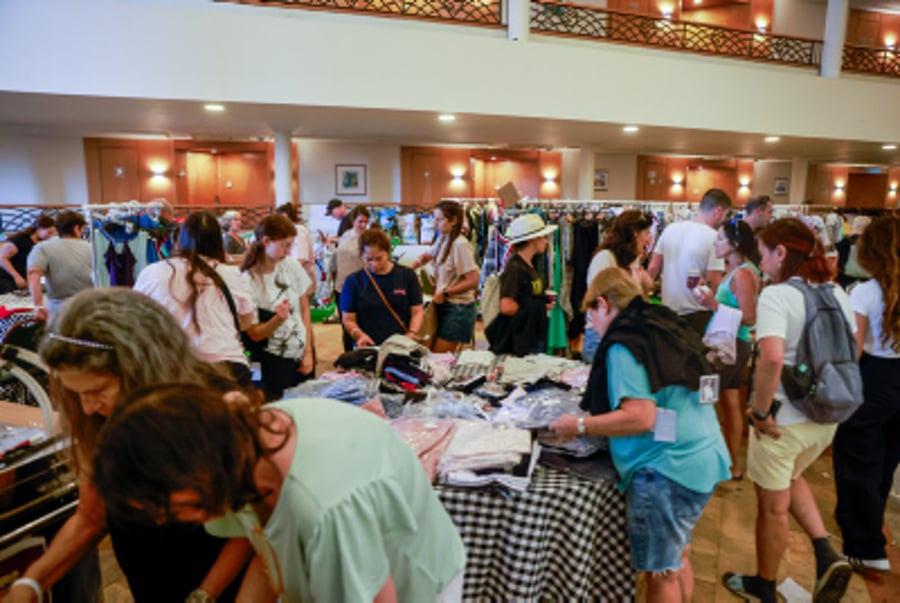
(621, 238)
(180, 436)
(805, 255)
(148, 347)
(879, 253)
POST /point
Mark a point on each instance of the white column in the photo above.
(799, 174)
(283, 179)
(586, 173)
(518, 20)
(835, 34)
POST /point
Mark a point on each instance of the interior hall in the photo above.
(120, 111)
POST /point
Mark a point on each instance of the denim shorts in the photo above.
(661, 516)
(456, 322)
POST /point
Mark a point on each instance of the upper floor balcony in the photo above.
(723, 30)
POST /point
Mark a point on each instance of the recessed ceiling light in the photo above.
(773, 138)
(889, 147)
(446, 117)
(214, 107)
(630, 129)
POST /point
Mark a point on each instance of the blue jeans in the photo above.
(661, 516)
(589, 344)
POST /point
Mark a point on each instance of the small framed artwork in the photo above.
(350, 180)
(601, 180)
(781, 186)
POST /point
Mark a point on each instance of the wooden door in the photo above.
(203, 178)
(242, 179)
(119, 181)
(867, 190)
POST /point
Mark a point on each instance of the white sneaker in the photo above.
(879, 565)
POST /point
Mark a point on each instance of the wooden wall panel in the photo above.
(869, 28)
(156, 170)
(866, 190)
(244, 179)
(119, 181)
(202, 178)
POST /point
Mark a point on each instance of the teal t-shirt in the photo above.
(697, 460)
(355, 508)
(725, 296)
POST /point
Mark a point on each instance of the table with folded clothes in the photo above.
(540, 520)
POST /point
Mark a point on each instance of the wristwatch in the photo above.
(200, 596)
(581, 428)
(759, 416)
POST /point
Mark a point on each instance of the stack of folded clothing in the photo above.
(429, 438)
(482, 453)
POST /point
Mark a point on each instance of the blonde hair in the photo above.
(615, 285)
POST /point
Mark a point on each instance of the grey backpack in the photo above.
(825, 384)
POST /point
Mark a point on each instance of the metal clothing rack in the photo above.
(132, 208)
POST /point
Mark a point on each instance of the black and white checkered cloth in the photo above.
(564, 539)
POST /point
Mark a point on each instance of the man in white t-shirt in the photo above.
(687, 246)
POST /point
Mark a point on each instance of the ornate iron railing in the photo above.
(861, 59)
(480, 12)
(598, 23)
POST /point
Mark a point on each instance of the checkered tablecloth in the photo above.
(564, 539)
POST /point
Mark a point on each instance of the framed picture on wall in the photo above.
(601, 178)
(349, 179)
(781, 186)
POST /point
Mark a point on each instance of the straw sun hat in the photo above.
(527, 227)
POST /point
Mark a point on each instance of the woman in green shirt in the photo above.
(336, 505)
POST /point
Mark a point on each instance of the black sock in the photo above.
(762, 588)
(825, 555)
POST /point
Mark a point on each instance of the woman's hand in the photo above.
(306, 363)
(763, 427)
(283, 310)
(566, 426)
(705, 297)
(364, 341)
(439, 297)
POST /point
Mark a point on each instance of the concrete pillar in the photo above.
(283, 176)
(835, 34)
(799, 173)
(586, 173)
(518, 20)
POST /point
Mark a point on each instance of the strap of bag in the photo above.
(384, 299)
(207, 270)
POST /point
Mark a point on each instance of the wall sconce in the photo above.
(549, 177)
(158, 170)
(890, 41)
(745, 183)
(761, 24)
(839, 186)
(893, 187)
(677, 179)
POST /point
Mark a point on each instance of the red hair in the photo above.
(805, 255)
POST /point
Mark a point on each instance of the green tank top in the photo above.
(726, 297)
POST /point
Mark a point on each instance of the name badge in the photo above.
(664, 427)
(709, 389)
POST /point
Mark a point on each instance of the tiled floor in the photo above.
(723, 539)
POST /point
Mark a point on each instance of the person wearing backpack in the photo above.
(786, 440)
(867, 446)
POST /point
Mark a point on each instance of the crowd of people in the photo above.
(168, 437)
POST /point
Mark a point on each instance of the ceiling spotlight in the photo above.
(447, 117)
(630, 129)
(214, 107)
(773, 138)
(889, 147)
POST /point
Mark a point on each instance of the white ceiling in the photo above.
(79, 116)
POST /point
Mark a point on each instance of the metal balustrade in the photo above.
(863, 59)
(557, 18)
(478, 12)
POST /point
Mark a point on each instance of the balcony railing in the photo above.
(573, 20)
(566, 19)
(478, 12)
(862, 59)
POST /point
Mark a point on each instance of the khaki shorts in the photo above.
(772, 464)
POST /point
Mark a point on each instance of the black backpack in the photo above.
(825, 383)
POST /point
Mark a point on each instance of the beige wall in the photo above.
(37, 170)
(622, 176)
(764, 175)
